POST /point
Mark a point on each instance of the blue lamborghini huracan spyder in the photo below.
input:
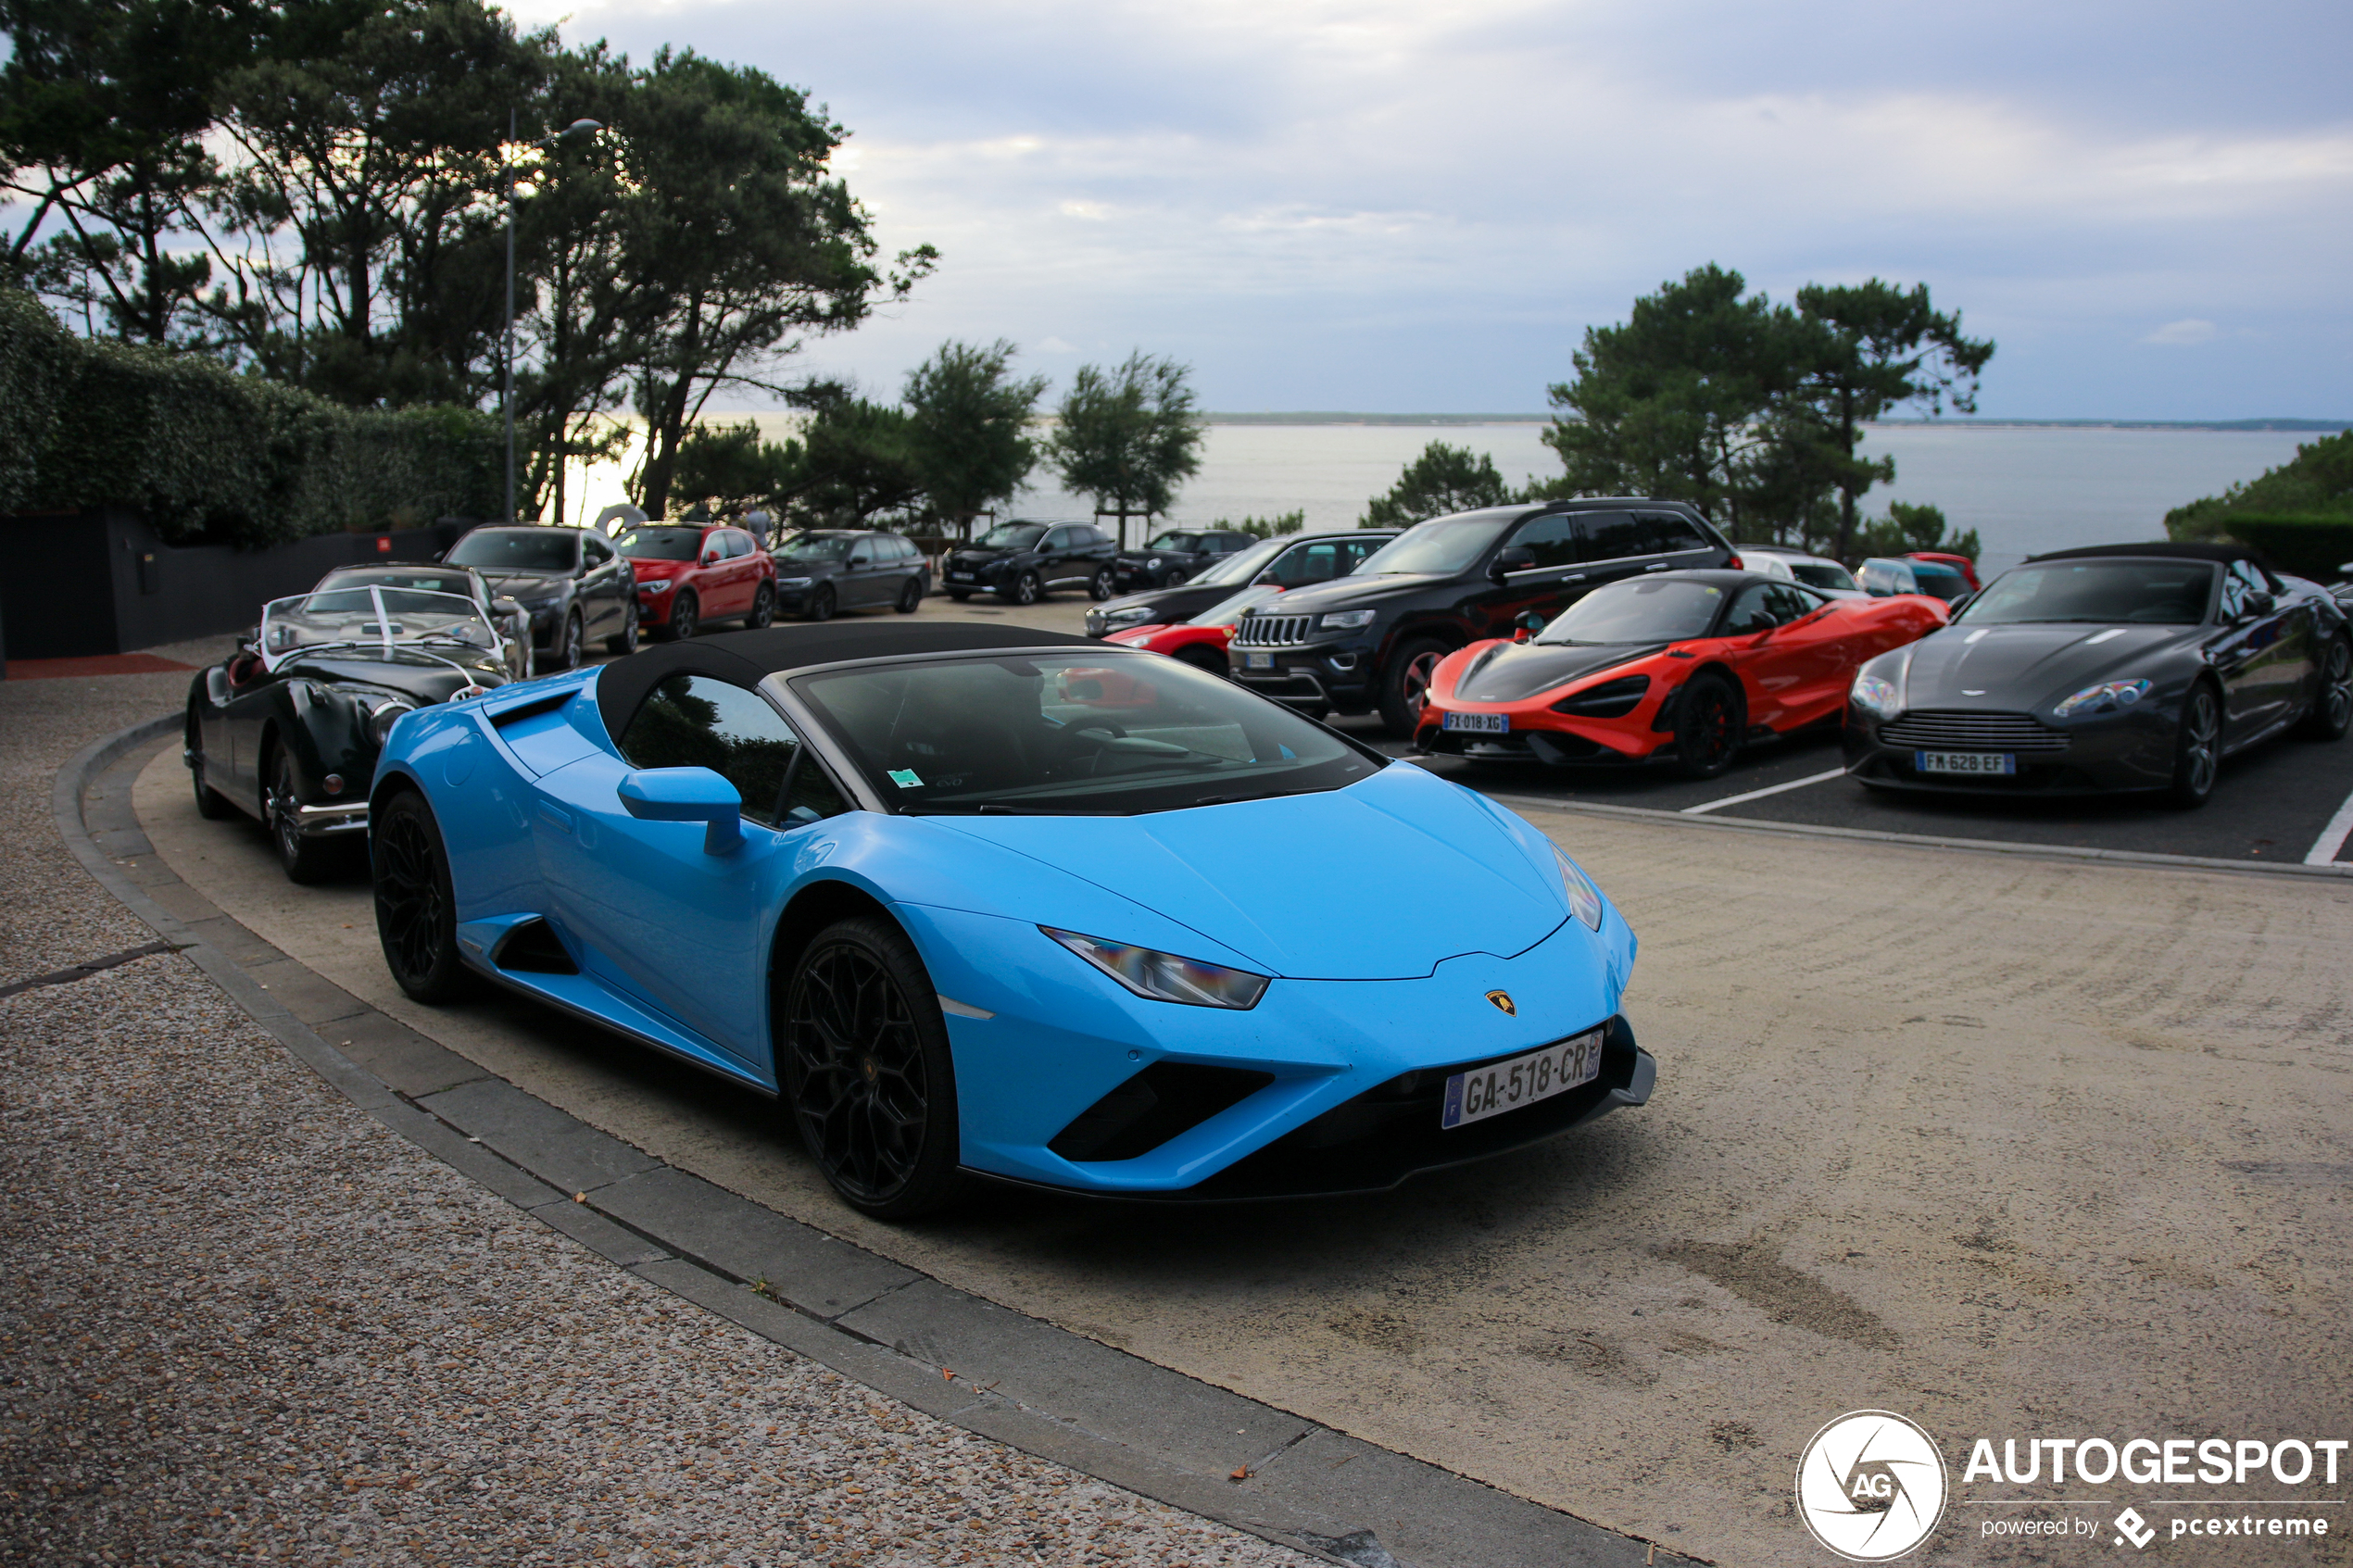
(976, 899)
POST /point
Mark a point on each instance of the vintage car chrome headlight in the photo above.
(2106, 697)
(1165, 977)
(1876, 694)
(1347, 620)
(1583, 896)
(383, 715)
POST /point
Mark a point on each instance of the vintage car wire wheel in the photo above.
(821, 603)
(626, 642)
(685, 615)
(1707, 727)
(305, 859)
(2333, 704)
(867, 1070)
(910, 597)
(1405, 692)
(1028, 590)
(2198, 747)
(416, 909)
(1100, 586)
(763, 607)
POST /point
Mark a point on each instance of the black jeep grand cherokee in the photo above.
(1370, 639)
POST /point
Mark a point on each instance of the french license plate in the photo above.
(1478, 723)
(1524, 1080)
(1258, 661)
(1964, 761)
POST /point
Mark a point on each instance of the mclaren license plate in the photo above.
(1524, 1080)
(1258, 661)
(1479, 723)
(1965, 762)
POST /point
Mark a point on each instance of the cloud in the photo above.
(2188, 330)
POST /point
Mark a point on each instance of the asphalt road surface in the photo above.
(2010, 1146)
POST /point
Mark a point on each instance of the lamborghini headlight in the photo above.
(1876, 694)
(2106, 697)
(1165, 977)
(1583, 896)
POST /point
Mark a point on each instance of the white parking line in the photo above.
(1761, 793)
(2331, 844)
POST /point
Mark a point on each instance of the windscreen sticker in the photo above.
(906, 778)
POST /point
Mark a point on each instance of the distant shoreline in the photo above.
(2318, 427)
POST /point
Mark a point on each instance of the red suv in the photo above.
(692, 573)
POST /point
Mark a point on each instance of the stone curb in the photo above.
(1000, 1374)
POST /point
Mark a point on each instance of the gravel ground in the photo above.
(239, 1321)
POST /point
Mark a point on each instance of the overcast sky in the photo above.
(1421, 205)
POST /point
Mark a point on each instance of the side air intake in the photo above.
(1165, 1099)
(533, 947)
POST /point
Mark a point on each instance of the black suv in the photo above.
(1023, 561)
(1370, 640)
(1173, 556)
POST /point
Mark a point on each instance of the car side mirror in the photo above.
(686, 794)
(1529, 625)
(505, 605)
(215, 686)
(709, 557)
(2258, 602)
(1958, 604)
(1511, 559)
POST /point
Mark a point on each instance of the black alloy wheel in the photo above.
(305, 859)
(1028, 590)
(571, 643)
(2331, 713)
(416, 910)
(763, 607)
(627, 643)
(211, 803)
(1404, 689)
(960, 596)
(1708, 723)
(910, 597)
(2197, 749)
(685, 615)
(867, 1071)
(1098, 587)
(821, 603)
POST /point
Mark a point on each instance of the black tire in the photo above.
(1406, 683)
(910, 597)
(1710, 719)
(211, 805)
(570, 646)
(1027, 589)
(305, 861)
(821, 603)
(960, 596)
(1100, 586)
(1201, 658)
(416, 910)
(763, 607)
(2197, 749)
(2331, 713)
(627, 643)
(685, 615)
(867, 1072)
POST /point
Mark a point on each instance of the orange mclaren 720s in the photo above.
(1680, 667)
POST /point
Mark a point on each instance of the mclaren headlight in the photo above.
(1584, 898)
(1165, 977)
(1876, 694)
(2106, 697)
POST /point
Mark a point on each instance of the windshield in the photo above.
(1241, 566)
(815, 547)
(1442, 547)
(1087, 733)
(1013, 536)
(2162, 593)
(658, 544)
(1821, 574)
(427, 578)
(384, 622)
(1638, 611)
(517, 549)
(1186, 542)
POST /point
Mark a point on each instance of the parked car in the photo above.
(512, 619)
(821, 571)
(1685, 667)
(1200, 641)
(691, 573)
(1962, 564)
(1882, 575)
(572, 583)
(1818, 573)
(988, 899)
(1023, 561)
(2119, 666)
(1291, 561)
(1371, 639)
(289, 729)
(1173, 556)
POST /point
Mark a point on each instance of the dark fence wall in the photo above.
(78, 584)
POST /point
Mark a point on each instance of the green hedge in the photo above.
(207, 455)
(2309, 546)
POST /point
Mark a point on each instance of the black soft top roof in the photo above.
(746, 658)
(2162, 549)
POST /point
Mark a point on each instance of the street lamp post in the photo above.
(506, 396)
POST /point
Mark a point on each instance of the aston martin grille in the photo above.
(1272, 631)
(1937, 730)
